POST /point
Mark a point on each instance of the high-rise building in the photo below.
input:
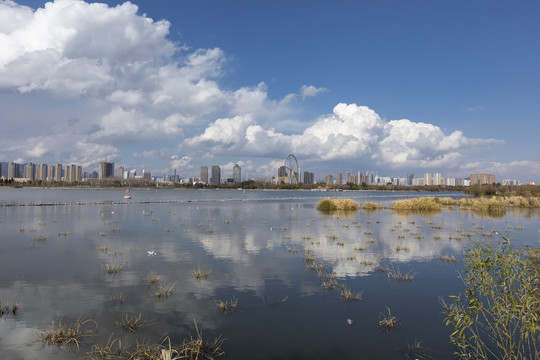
(13, 170)
(482, 179)
(50, 172)
(237, 174)
(132, 174)
(282, 171)
(58, 172)
(309, 177)
(339, 180)
(204, 174)
(120, 172)
(216, 175)
(146, 174)
(437, 179)
(410, 178)
(428, 179)
(106, 170)
(29, 172)
(329, 179)
(370, 177)
(41, 172)
(73, 173)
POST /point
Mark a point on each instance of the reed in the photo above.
(227, 306)
(132, 323)
(388, 322)
(397, 275)
(349, 295)
(337, 204)
(110, 351)
(448, 259)
(111, 268)
(152, 278)
(198, 348)
(427, 204)
(165, 290)
(68, 337)
(200, 273)
(372, 206)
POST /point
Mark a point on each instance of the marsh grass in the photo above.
(9, 309)
(448, 259)
(349, 295)
(200, 274)
(152, 278)
(199, 348)
(132, 323)
(111, 268)
(388, 322)
(372, 206)
(416, 351)
(423, 204)
(397, 275)
(165, 290)
(268, 301)
(112, 350)
(118, 298)
(227, 306)
(68, 337)
(328, 204)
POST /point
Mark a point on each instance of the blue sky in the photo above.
(391, 86)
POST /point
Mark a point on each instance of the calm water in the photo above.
(254, 244)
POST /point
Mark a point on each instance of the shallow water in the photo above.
(254, 243)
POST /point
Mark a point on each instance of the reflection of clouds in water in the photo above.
(386, 238)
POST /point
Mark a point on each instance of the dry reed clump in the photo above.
(337, 204)
(9, 309)
(132, 323)
(349, 295)
(227, 306)
(165, 290)
(523, 202)
(200, 273)
(491, 205)
(388, 322)
(198, 348)
(68, 337)
(397, 275)
(418, 204)
(372, 206)
(111, 350)
(111, 268)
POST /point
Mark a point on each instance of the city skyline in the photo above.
(164, 86)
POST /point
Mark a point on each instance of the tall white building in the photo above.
(237, 174)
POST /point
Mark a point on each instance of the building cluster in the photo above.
(214, 178)
(66, 173)
(372, 178)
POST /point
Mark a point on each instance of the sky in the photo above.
(395, 87)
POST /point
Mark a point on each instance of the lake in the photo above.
(271, 251)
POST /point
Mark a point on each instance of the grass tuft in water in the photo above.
(132, 323)
(388, 322)
(200, 273)
(337, 204)
(68, 337)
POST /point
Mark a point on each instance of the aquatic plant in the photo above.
(388, 322)
(328, 204)
(198, 348)
(498, 315)
(111, 268)
(349, 295)
(397, 275)
(200, 273)
(227, 306)
(371, 206)
(427, 204)
(69, 337)
(132, 323)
